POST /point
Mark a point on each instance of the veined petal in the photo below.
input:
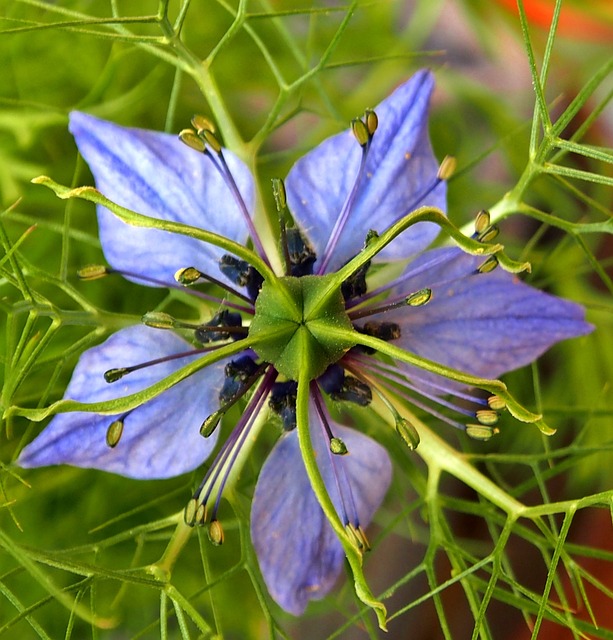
(157, 175)
(484, 324)
(299, 554)
(400, 168)
(160, 438)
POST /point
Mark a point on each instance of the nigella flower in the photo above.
(269, 338)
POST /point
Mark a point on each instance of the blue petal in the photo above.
(483, 324)
(157, 175)
(300, 556)
(160, 439)
(400, 168)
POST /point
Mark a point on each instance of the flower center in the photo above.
(301, 325)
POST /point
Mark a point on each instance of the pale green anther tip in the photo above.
(215, 532)
(419, 298)
(480, 431)
(487, 417)
(408, 433)
(372, 121)
(489, 265)
(93, 272)
(482, 221)
(360, 131)
(189, 513)
(112, 375)
(202, 123)
(211, 140)
(338, 447)
(158, 320)
(187, 275)
(357, 537)
(496, 403)
(447, 168)
(191, 139)
(114, 433)
(210, 424)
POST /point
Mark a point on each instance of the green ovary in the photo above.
(301, 326)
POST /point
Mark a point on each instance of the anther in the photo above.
(188, 275)
(480, 431)
(113, 375)
(201, 514)
(357, 537)
(282, 401)
(242, 274)
(215, 531)
(447, 168)
(489, 265)
(202, 123)
(338, 447)
(159, 320)
(93, 272)
(114, 432)
(192, 140)
(419, 298)
(360, 132)
(355, 285)
(353, 390)
(300, 253)
(496, 403)
(209, 137)
(487, 417)
(372, 121)
(228, 323)
(407, 432)
(189, 513)
(210, 424)
(482, 221)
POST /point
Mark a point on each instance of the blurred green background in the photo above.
(278, 77)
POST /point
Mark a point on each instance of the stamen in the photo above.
(359, 129)
(344, 388)
(407, 432)
(196, 510)
(282, 401)
(200, 140)
(415, 299)
(190, 275)
(113, 375)
(242, 274)
(349, 515)
(398, 383)
(210, 424)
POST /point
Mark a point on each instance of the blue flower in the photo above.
(444, 307)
